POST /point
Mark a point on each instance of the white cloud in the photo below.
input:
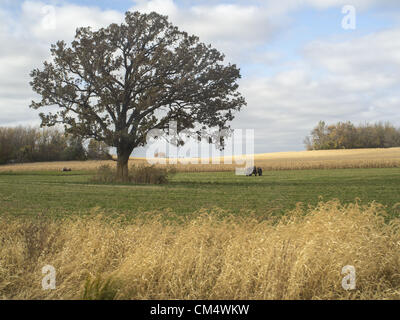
(336, 81)
(234, 29)
(285, 6)
(375, 51)
(26, 44)
(165, 7)
(52, 23)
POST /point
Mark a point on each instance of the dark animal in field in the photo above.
(256, 171)
(66, 169)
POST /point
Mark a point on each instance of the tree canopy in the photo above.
(119, 82)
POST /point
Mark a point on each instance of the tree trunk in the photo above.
(122, 165)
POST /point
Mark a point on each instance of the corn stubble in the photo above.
(298, 256)
(303, 160)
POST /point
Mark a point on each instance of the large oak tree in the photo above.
(117, 83)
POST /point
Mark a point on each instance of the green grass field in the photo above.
(58, 194)
(208, 256)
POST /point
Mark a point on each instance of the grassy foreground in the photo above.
(299, 257)
(204, 235)
(56, 194)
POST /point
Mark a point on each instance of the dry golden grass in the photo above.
(298, 257)
(329, 159)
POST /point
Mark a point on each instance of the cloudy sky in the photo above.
(298, 64)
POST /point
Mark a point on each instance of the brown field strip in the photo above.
(329, 159)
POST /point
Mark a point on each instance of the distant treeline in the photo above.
(345, 135)
(26, 144)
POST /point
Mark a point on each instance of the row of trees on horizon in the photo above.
(27, 144)
(346, 135)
